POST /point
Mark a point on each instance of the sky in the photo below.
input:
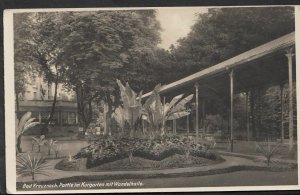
(176, 23)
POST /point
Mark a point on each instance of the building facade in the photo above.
(38, 99)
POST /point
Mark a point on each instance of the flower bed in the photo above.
(109, 149)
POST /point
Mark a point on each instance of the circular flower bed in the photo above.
(108, 149)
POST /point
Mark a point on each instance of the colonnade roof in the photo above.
(263, 65)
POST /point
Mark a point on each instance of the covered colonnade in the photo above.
(270, 64)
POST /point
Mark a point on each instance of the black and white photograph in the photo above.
(151, 99)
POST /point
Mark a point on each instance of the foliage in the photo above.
(40, 141)
(22, 70)
(267, 150)
(39, 47)
(57, 149)
(25, 123)
(31, 165)
(131, 106)
(213, 122)
(110, 149)
(223, 33)
(119, 116)
(266, 110)
(50, 145)
(109, 45)
(156, 113)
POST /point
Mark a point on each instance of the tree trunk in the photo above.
(80, 108)
(54, 101)
(90, 113)
(19, 149)
(251, 97)
(108, 124)
(45, 128)
(86, 115)
(259, 112)
(17, 106)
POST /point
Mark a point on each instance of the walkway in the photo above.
(256, 157)
(231, 163)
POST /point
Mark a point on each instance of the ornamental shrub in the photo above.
(108, 150)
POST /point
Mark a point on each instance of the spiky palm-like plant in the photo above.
(157, 113)
(39, 141)
(31, 165)
(22, 125)
(268, 151)
(119, 116)
(50, 145)
(131, 105)
(57, 149)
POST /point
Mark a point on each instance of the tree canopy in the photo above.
(87, 51)
(90, 50)
(223, 33)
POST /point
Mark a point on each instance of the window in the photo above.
(64, 118)
(55, 118)
(44, 116)
(35, 115)
(72, 118)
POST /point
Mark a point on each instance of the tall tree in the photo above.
(23, 69)
(39, 44)
(102, 46)
(223, 33)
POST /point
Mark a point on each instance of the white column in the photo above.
(247, 116)
(281, 112)
(203, 116)
(289, 56)
(231, 75)
(197, 110)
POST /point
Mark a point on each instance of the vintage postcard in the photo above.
(151, 99)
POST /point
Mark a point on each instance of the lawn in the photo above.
(249, 147)
(67, 146)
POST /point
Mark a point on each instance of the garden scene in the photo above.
(99, 97)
